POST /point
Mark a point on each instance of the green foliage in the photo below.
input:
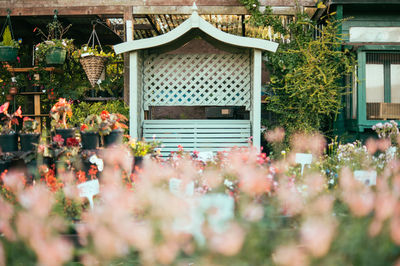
(46, 47)
(86, 50)
(66, 207)
(306, 87)
(142, 148)
(91, 123)
(84, 109)
(29, 126)
(7, 39)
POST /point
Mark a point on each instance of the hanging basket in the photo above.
(8, 53)
(56, 56)
(93, 66)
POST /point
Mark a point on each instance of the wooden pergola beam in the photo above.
(117, 7)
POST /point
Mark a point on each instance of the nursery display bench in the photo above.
(229, 75)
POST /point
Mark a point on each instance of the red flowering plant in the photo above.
(9, 119)
(60, 113)
(110, 122)
(91, 123)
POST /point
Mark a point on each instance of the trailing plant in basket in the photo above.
(9, 119)
(8, 40)
(86, 50)
(53, 39)
(60, 113)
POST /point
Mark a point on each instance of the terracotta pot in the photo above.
(9, 97)
(13, 90)
(51, 96)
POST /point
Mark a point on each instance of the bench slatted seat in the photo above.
(199, 135)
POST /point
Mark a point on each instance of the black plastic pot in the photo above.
(4, 165)
(66, 133)
(90, 140)
(114, 138)
(9, 142)
(29, 141)
(137, 163)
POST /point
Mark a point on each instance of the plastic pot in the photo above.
(90, 140)
(66, 133)
(56, 56)
(8, 53)
(114, 138)
(9, 142)
(29, 141)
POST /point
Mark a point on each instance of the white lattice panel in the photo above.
(197, 79)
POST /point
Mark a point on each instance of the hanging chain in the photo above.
(55, 22)
(8, 22)
(93, 37)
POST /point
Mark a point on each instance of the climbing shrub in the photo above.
(306, 88)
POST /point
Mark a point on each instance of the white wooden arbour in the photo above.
(228, 79)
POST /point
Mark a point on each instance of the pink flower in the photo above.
(58, 139)
(4, 108)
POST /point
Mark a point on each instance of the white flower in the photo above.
(379, 125)
(97, 161)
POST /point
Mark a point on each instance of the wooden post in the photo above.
(128, 18)
(133, 95)
(256, 112)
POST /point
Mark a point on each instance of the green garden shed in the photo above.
(372, 30)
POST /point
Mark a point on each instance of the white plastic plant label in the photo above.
(205, 156)
(366, 177)
(303, 159)
(215, 209)
(175, 187)
(89, 190)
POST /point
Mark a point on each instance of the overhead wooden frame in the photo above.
(117, 7)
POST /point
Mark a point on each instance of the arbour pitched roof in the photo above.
(195, 22)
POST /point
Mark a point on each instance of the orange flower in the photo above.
(81, 177)
(93, 171)
(105, 115)
(84, 127)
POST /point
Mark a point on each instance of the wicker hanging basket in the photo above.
(93, 66)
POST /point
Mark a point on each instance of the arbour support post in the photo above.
(256, 110)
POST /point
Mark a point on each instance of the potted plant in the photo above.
(60, 113)
(54, 47)
(90, 132)
(29, 134)
(8, 137)
(8, 47)
(92, 60)
(141, 148)
(112, 128)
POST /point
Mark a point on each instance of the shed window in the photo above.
(382, 84)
